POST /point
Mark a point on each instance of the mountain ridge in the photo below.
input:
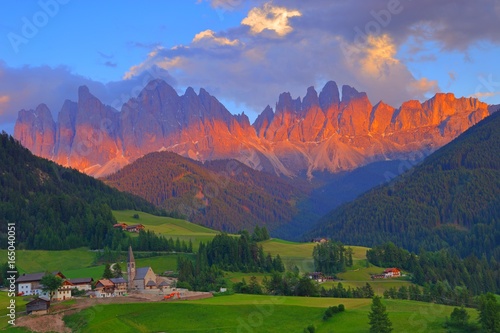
(321, 132)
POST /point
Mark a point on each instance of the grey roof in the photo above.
(150, 283)
(164, 283)
(118, 280)
(34, 277)
(141, 272)
(81, 280)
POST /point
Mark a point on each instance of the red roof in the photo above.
(393, 270)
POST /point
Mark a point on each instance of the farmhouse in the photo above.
(120, 286)
(134, 228)
(64, 292)
(121, 225)
(317, 276)
(29, 284)
(387, 274)
(392, 273)
(82, 283)
(319, 240)
(104, 288)
(39, 305)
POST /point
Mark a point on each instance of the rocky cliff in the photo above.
(321, 132)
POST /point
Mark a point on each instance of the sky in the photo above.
(245, 53)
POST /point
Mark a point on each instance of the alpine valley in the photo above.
(295, 163)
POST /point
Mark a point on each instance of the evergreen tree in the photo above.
(107, 274)
(117, 271)
(489, 313)
(379, 319)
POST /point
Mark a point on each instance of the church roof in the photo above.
(150, 283)
(130, 254)
(140, 273)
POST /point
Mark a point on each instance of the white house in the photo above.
(29, 284)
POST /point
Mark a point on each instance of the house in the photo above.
(39, 305)
(135, 228)
(317, 276)
(392, 273)
(104, 288)
(319, 240)
(63, 293)
(82, 283)
(120, 286)
(139, 278)
(120, 225)
(29, 284)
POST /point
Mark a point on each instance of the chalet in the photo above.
(64, 292)
(121, 225)
(39, 305)
(135, 228)
(29, 284)
(104, 288)
(82, 283)
(120, 286)
(387, 274)
(392, 273)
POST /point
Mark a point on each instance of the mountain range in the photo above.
(322, 132)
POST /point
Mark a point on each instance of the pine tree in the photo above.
(107, 274)
(489, 313)
(379, 320)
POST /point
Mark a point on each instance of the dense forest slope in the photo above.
(451, 200)
(221, 194)
(55, 207)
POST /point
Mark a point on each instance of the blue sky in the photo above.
(245, 52)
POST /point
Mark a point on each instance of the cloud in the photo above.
(424, 86)
(105, 56)
(26, 87)
(110, 64)
(485, 94)
(208, 37)
(226, 4)
(272, 18)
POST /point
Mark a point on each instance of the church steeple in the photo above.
(130, 268)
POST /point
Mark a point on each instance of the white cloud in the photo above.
(485, 94)
(269, 17)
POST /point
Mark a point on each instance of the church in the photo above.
(139, 278)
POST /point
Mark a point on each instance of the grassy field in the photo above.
(167, 226)
(250, 313)
(4, 302)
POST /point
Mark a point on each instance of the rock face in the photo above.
(317, 133)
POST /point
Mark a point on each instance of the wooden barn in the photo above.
(39, 305)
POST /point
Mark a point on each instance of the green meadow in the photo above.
(250, 313)
(167, 226)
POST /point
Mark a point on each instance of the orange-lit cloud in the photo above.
(270, 17)
(423, 86)
(4, 99)
(208, 36)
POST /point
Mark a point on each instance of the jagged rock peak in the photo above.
(310, 99)
(329, 95)
(285, 102)
(349, 93)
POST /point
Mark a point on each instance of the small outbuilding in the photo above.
(37, 306)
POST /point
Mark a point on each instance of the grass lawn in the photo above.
(250, 313)
(168, 227)
(32, 261)
(4, 302)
